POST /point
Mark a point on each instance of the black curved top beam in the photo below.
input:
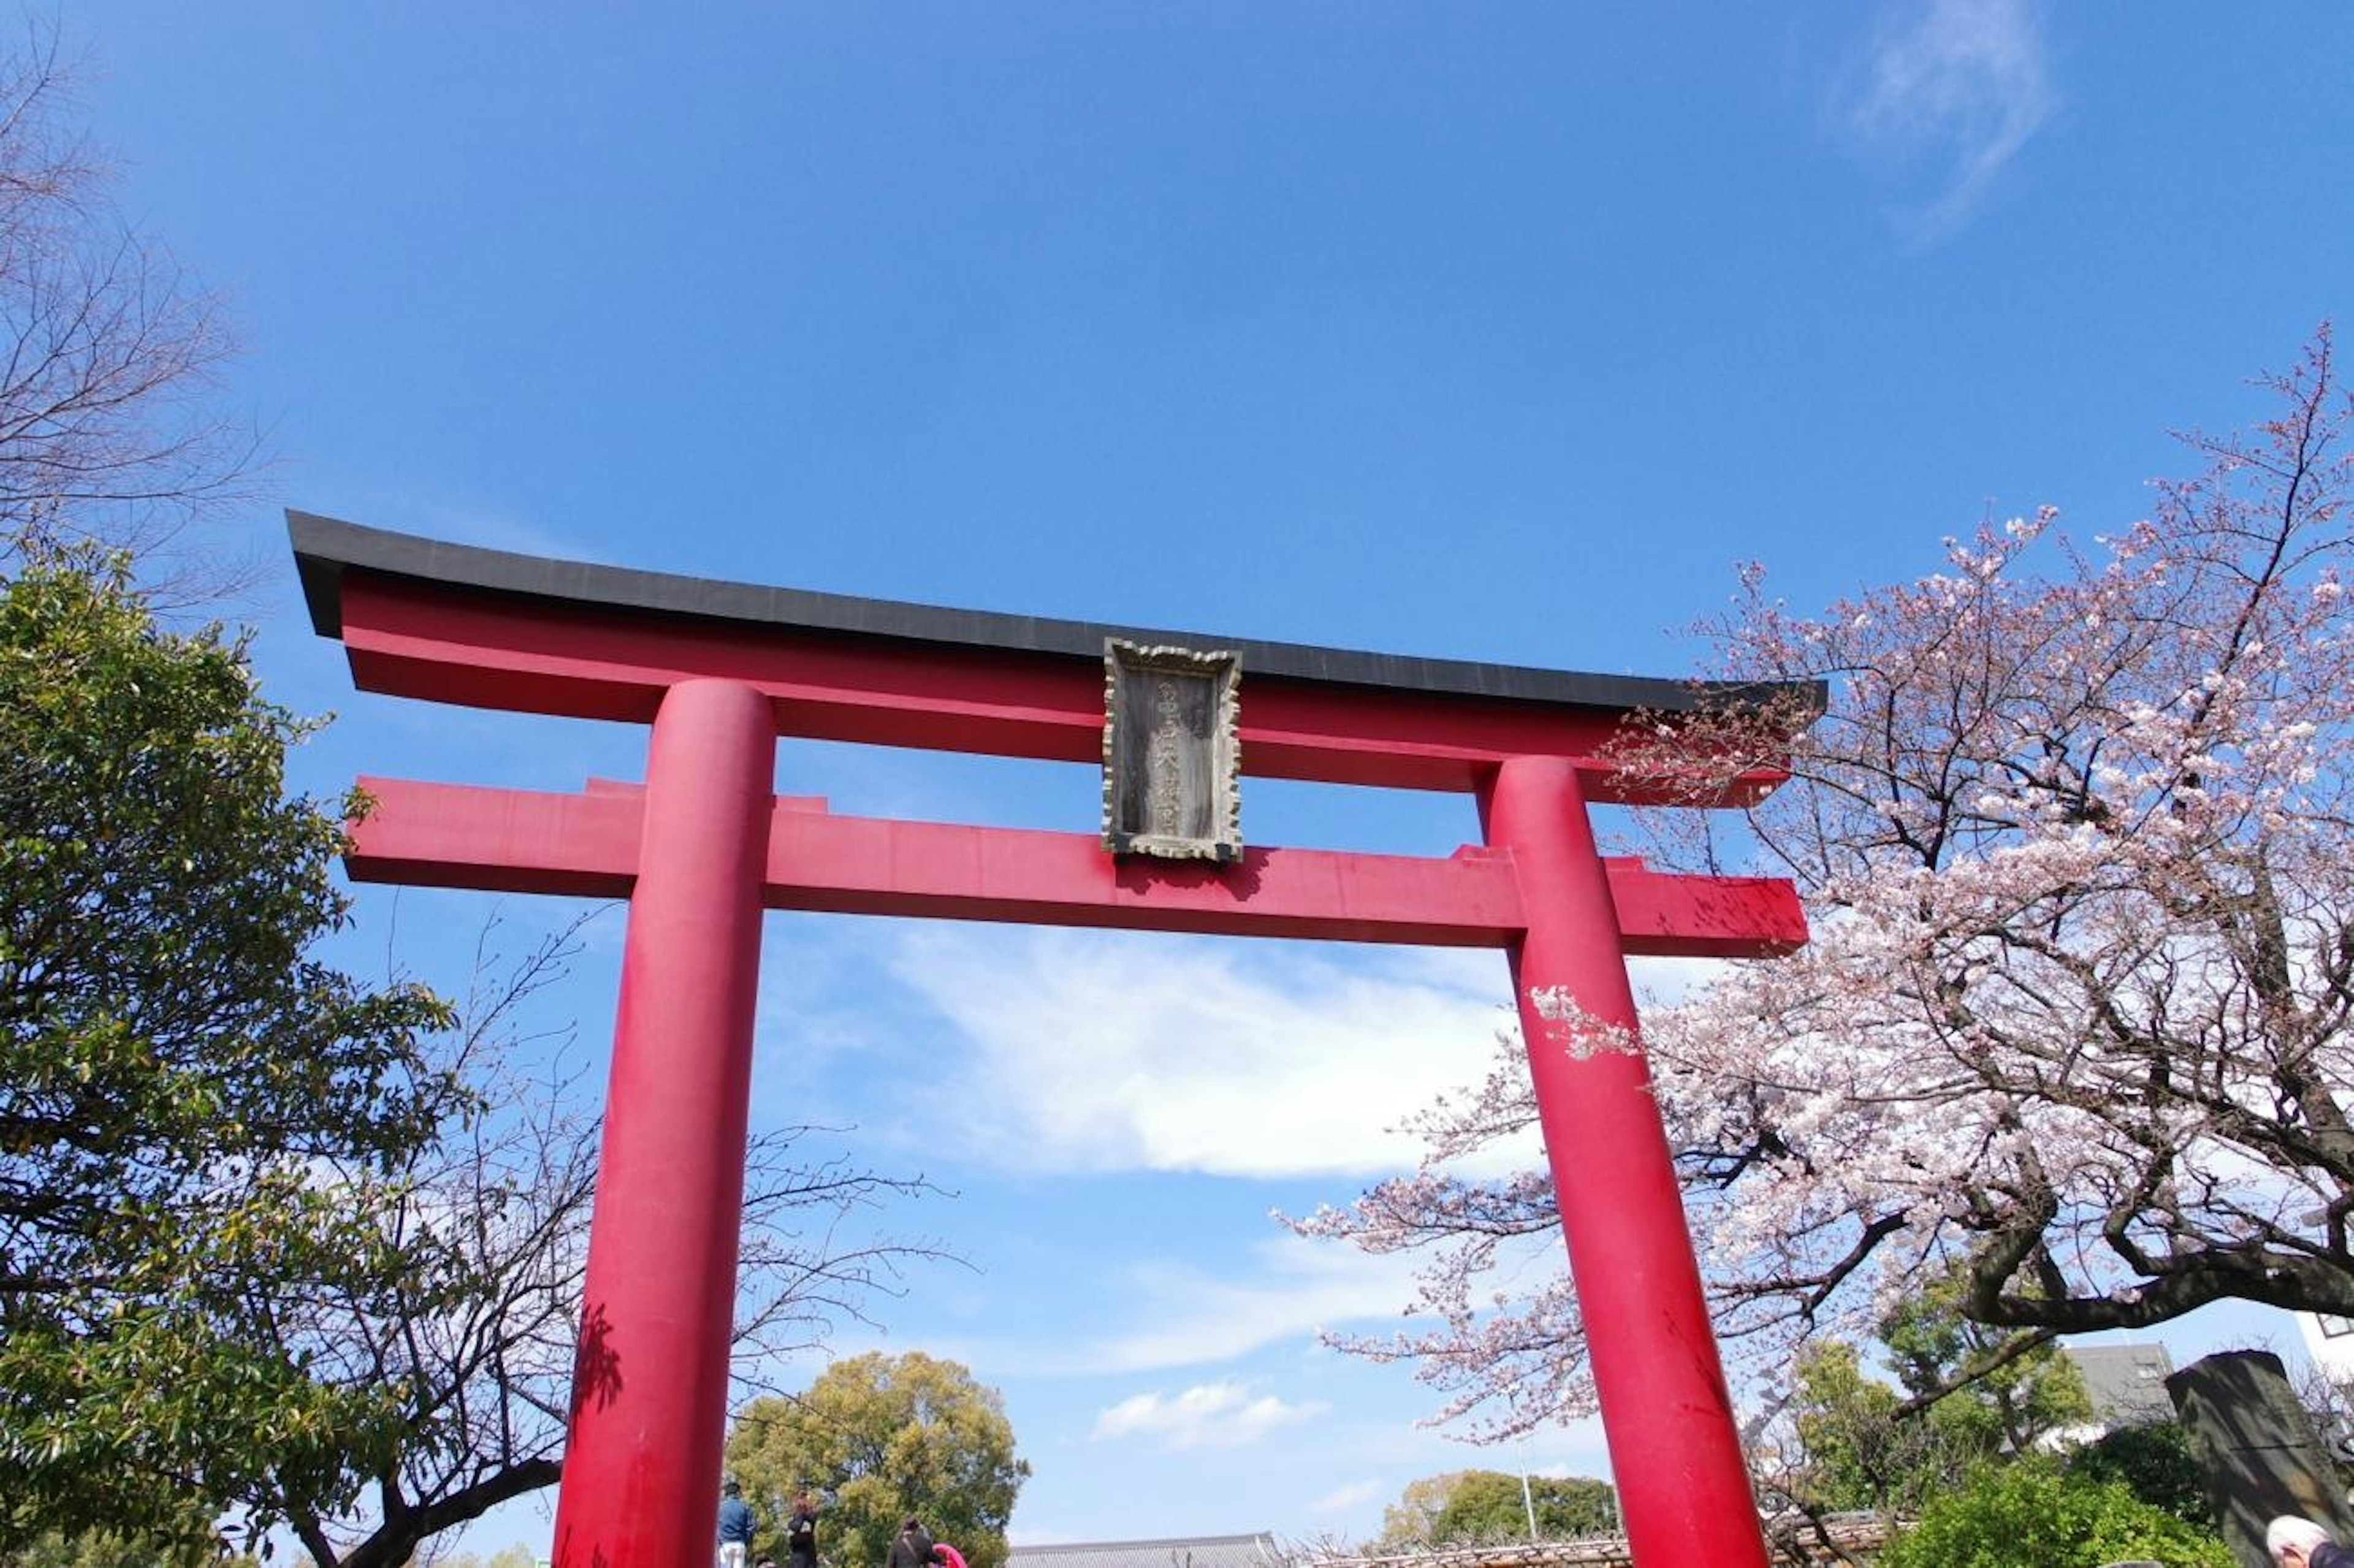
(326, 548)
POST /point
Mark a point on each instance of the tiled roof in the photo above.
(1181, 1552)
(1794, 1538)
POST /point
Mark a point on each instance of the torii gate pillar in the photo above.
(1684, 1485)
(660, 1298)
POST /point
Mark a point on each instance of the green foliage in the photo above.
(1964, 1398)
(1405, 1523)
(2155, 1462)
(1485, 1506)
(2031, 1513)
(1862, 1449)
(2010, 1398)
(1480, 1507)
(192, 1110)
(99, 1550)
(877, 1438)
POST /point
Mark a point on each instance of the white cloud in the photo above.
(1183, 1315)
(1666, 982)
(1192, 1317)
(1959, 86)
(464, 520)
(1098, 1052)
(1343, 1499)
(1208, 1415)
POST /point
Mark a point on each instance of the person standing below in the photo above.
(735, 1526)
(800, 1534)
(2300, 1543)
(914, 1547)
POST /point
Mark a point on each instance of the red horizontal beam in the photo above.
(587, 845)
(486, 650)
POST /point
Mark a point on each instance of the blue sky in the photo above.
(1493, 331)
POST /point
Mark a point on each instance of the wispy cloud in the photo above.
(1958, 88)
(1175, 1315)
(1193, 1316)
(1208, 1415)
(460, 519)
(1097, 1052)
(1343, 1499)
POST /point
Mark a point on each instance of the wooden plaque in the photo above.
(1172, 766)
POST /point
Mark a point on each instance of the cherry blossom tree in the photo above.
(2074, 835)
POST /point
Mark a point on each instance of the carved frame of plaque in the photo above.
(1172, 752)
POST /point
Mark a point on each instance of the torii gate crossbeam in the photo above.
(721, 670)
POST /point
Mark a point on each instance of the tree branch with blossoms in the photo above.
(2076, 1023)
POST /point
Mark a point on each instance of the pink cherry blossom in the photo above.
(2076, 835)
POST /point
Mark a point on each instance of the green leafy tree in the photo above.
(2032, 1513)
(877, 1438)
(2155, 1461)
(1488, 1505)
(1406, 1523)
(2009, 1392)
(1482, 1507)
(1860, 1445)
(1964, 1395)
(193, 1108)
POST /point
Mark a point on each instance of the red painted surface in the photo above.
(485, 649)
(650, 1378)
(1674, 1450)
(511, 841)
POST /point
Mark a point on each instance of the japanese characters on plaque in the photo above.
(1172, 766)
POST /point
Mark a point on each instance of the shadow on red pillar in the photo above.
(641, 1485)
(1675, 1451)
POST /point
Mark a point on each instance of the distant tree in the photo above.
(2032, 1514)
(879, 1438)
(1490, 1506)
(1482, 1507)
(2076, 1027)
(106, 427)
(193, 1108)
(1406, 1523)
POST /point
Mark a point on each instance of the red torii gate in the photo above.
(721, 670)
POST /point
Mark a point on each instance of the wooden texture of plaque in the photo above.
(1173, 765)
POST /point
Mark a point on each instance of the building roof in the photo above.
(1177, 1552)
(2127, 1382)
